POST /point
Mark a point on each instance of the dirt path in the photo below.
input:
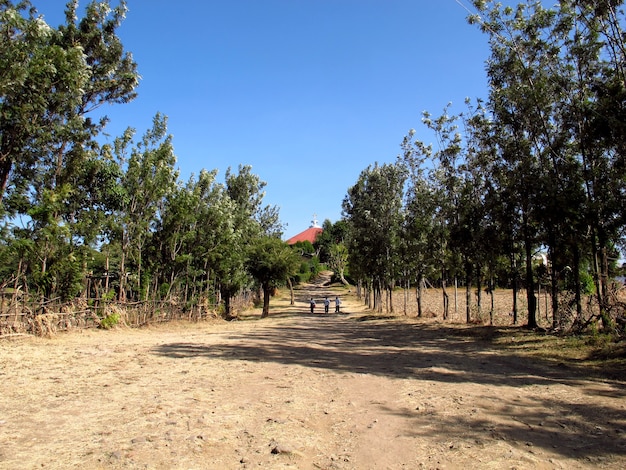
(299, 391)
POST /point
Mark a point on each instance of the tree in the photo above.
(552, 73)
(50, 81)
(149, 178)
(216, 250)
(373, 212)
(419, 246)
(247, 192)
(271, 262)
(50, 163)
(338, 261)
(446, 182)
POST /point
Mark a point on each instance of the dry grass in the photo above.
(600, 354)
(432, 306)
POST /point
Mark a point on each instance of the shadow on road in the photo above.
(435, 353)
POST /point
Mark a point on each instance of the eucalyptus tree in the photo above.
(217, 270)
(501, 235)
(593, 43)
(419, 245)
(175, 233)
(373, 211)
(522, 99)
(550, 72)
(228, 255)
(52, 80)
(252, 219)
(485, 237)
(446, 182)
(148, 179)
(247, 192)
(338, 261)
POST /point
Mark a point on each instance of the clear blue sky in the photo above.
(307, 92)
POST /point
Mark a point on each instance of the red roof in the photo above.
(309, 235)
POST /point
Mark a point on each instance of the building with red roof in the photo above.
(309, 235)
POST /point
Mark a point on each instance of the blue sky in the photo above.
(307, 92)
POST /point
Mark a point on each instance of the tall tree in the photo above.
(149, 178)
(550, 73)
(50, 167)
(51, 80)
(447, 182)
(247, 192)
(373, 212)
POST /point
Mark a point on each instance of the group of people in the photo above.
(326, 304)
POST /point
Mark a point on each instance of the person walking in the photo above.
(337, 304)
(312, 304)
(326, 304)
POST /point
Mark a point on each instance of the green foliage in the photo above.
(68, 277)
(305, 247)
(587, 284)
(538, 165)
(271, 262)
(164, 289)
(373, 212)
(304, 272)
(110, 321)
(309, 268)
(108, 296)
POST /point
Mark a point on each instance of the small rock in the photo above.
(281, 449)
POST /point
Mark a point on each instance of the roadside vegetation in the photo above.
(523, 192)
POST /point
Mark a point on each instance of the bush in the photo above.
(110, 321)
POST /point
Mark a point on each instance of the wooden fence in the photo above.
(22, 317)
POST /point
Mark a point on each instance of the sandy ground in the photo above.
(302, 391)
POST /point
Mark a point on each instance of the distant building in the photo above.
(309, 235)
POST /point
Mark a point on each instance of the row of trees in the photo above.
(83, 218)
(540, 165)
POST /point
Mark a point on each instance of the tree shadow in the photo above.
(440, 354)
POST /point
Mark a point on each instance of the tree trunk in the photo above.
(554, 293)
(492, 288)
(227, 306)
(446, 299)
(6, 163)
(291, 295)
(418, 293)
(577, 286)
(468, 300)
(266, 300)
(468, 292)
(530, 286)
(515, 289)
(479, 292)
(456, 296)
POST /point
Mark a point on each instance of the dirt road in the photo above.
(303, 391)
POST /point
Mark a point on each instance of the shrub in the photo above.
(110, 321)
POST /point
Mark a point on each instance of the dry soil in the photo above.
(295, 390)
